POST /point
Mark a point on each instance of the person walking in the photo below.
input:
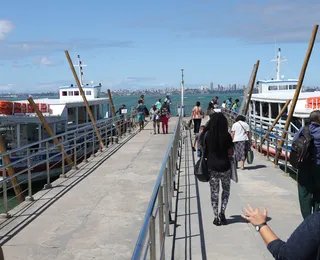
(164, 117)
(218, 147)
(309, 172)
(158, 104)
(196, 116)
(240, 132)
(154, 116)
(140, 113)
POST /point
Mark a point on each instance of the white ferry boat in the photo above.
(19, 124)
(271, 97)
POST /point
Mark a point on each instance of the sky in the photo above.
(144, 44)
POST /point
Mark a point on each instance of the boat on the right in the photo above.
(270, 99)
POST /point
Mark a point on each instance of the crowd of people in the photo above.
(158, 113)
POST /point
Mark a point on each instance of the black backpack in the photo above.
(301, 149)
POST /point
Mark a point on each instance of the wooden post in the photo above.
(10, 171)
(297, 92)
(251, 87)
(277, 118)
(84, 98)
(113, 111)
(49, 130)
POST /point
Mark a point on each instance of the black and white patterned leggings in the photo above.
(215, 178)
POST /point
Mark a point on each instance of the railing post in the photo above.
(48, 185)
(161, 223)
(286, 156)
(100, 147)
(85, 146)
(268, 149)
(5, 213)
(255, 134)
(261, 137)
(166, 201)
(29, 197)
(276, 151)
(152, 232)
(63, 167)
(75, 151)
(106, 137)
(93, 144)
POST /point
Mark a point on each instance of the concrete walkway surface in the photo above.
(101, 216)
(260, 184)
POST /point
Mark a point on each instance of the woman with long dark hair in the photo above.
(218, 143)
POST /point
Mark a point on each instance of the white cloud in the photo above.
(15, 50)
(6, 26)
(7, 87)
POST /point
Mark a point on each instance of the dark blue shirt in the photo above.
(303, 244)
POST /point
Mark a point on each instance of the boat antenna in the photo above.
(278, 60)
(80, 65)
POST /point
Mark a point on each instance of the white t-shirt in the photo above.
(240, 128)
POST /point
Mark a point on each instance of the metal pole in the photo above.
(75, 151)
(48, 185)
(182, 95)
(161, 223)
(152, 232)
(29, 197)
(85, 146)
(5, 195)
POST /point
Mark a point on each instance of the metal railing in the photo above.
(31, 164)
(160, 205)
(270, 145)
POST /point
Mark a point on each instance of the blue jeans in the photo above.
(199, 153)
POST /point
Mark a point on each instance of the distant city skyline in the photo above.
(145, 44)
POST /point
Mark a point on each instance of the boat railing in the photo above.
(267, 141)
(152, 239)
(22, 166)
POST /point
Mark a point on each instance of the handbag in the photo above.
(234, 174)
(201, 168)
(250, 157)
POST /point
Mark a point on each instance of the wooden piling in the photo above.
(10, 170)
(298, 89)
(277, 118)
(84, 98)
(113, 109)
(49, 130)
(251, 87)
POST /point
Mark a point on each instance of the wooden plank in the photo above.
(251, 87)
(298, 89)
(84, 99)
(49, 130)
(10, 171)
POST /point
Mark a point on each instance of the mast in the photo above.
(80, 66)
(278, 60)
(182, 94)
(278, 63)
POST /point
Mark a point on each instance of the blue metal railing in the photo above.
(160, 204)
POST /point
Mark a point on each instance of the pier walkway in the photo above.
(100, 215)
(260, 184)
(99, 211)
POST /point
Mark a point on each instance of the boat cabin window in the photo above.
(64, 93)
(76, 93)
(88, 92)
(70, 93)
(273, 87)
(292, 86)
(283, 87)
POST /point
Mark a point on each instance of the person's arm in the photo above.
(302, 244)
